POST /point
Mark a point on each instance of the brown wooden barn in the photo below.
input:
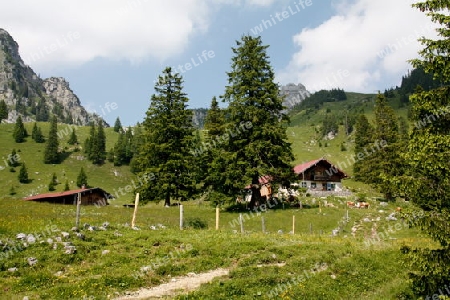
(320, 174)
(89, 196)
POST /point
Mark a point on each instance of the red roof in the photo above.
(60, 194)
(305, 166)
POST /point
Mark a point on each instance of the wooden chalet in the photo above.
(89, 196)
(320, 174)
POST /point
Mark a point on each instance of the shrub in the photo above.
(195, 223)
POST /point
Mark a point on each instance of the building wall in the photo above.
(319, 185)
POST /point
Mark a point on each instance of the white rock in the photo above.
(31, 239)
(65, 234)
(104, 252)
(12, 270)
(32, 261)
(21, 236)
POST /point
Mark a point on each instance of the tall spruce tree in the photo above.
(19, 133)
(164, 158)
(98, 147)
(3, 110)
(383, 161)
(257, 142)
(363, 140)
(51, 153)
(428, 157)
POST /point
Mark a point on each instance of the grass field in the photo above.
(108, 263)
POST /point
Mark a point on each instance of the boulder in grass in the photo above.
(32, 261)
(21, 236)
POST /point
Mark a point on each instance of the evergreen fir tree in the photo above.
(23, 174)
(3, 110)
(98, 151)
(73, 139)
(66, 186)
(363, 140)
(428, 186)
(51, 154)
(257, 144)
(215, 119)
(82, 179)
(165, 152)
(19, 133)
(384, 161)
(118, 125)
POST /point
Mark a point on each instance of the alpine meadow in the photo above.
(267, 191)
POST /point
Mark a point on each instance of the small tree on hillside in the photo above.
(73, 139)
(23, 174)
(66, 186)
(3, 111)
(51, 153)
(19, 133)
(82, 179)
(118, 125)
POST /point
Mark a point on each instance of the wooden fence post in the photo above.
(77, 218)
(136, 203)
(181, 217)
(217, 217)
(241, 222)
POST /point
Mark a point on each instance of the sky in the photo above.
(112, 51)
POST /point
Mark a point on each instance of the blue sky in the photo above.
(111, 51)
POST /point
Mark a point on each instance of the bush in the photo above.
(195, 223)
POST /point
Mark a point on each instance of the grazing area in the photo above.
(326, 257)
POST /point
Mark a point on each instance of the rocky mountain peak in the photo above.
(27, 95)
(294, 94)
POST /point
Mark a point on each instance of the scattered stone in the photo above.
(105, 224)
(161, 226)
(32, 261)
(391, 217)
(102, 228)
(55, 246)
(86, 225)
(280, 231)
(26, 298)
(12, 270)
(145, 269)
(59, 274)
(104, 252)
(70, 249)
(135, 228)
(191, 274)
(384, 204)
(65, 234)
(21, 236)
(152, 227)
(333, 276)
(31, 239)
(92, 228)
(274, 256)
(116, 233)
(74, 229)
(80, 236)
(366, 220)
(58, 239)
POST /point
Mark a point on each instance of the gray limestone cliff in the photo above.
(33, 98)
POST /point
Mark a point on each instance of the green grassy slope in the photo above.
(40, 174)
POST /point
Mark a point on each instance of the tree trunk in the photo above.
(167, 200)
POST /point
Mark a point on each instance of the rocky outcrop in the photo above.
(33, 98)
(294, 94)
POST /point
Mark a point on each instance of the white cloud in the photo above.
(78, 31)
(54, 32)
(360, 48)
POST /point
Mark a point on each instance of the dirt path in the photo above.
(176, 286)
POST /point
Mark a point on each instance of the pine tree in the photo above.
(384, 161)
(33, 131)
(23, 174)
(13, 159)
(3, 110)
(428, 187)
(82, 179)
(257, 141)
(89, 144)
(19, 133)
(167, 140)
(100, 145)
(66, 186)
(363, 140)
(53, 182)
(37, 135)
(215, 119)
(73, 139)
(51, 154)
(118, 125)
